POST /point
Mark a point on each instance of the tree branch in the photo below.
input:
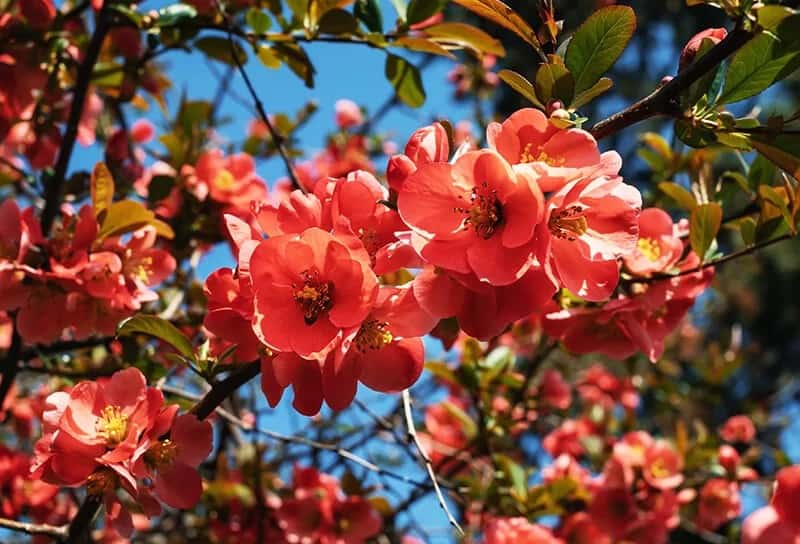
(412, 437)
(223, 389)
(664, 100)
(54, 187)
(58, 533)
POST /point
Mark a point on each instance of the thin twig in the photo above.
(277, 139)
(412, 437)
(300, 440)
(9, 366)
(58, 533)
(54, 188)
(714, 262)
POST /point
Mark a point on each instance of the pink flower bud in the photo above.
(691, 48)
(348, 114)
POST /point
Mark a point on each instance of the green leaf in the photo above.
(515, 475)
(369, 13)
(219, 49)
(704, 224)
(554, 81)
(101, 189)
(175, 15)
(268, 57)
(419, 10)
(127, 216)
(502, 15)
(400, 7)
(747, 228)
(259, 21)
(700, 87)
(468, 36)
(297, 60)
(767, 58)
(762, 172)
(406, 80)
(422, 45)
(338, 21)
(677, 193)
(694, 136)
(772, 196)
(521, 85)
(598, 43)
(584, 97)
(158, 328)
(783, 150)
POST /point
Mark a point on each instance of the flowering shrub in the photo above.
(514, 316)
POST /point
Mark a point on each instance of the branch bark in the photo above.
(57, 533)
(664, 100)
(54, 187)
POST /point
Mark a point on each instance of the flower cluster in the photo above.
(118, 434)
(314, 508)
(85, 277)
(639, 318)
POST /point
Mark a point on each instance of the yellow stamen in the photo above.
(649, 248)
(224, 180)
(527, 156)
(373, 335)
(162, 454)
(568, 223)
(101, 482)
(112, 425)
(314, 297)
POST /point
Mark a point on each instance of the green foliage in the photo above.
(406, 80)
(704, 224)
(156, 327)
(598, 43)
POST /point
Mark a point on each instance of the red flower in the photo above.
(587, 225)
(384, 353)
(738, 429)
(426, 145)
(474, 217)
(714, 35)
(517, 531)
(719, 502)
(659, 246)
(232, 181)
(348, 114)
(556, 156)
(662, 466)
(309, 288)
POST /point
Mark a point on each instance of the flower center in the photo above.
(659, 469)
(162, 454)
(568, 223)
(649, 248)
(100, 482)
(112, 425)
(485, 212)
(224, 180)
(314, 296)
(373, 335)
(527, 156)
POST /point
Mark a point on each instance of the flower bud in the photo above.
(691, 48)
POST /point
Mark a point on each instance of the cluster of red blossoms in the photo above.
(116, 434)
(314, 509)
(638, 491)
(494, 234)
(84, 277)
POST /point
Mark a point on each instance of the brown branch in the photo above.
(665, 99)
(58, 533)
(9, 367)
(54, 187)
(223, 389)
